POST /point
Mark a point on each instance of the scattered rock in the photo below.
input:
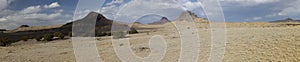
(64, 53)
(121, 44)
(143, 48)
(98, 38)
(10, 51)
(174, 37)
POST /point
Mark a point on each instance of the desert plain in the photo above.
(245, 42)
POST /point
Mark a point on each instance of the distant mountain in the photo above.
(189, 16)
(101, 23)
(24, 26)
(163, 20)
(286, 20)
(186, 15)
(137, 23)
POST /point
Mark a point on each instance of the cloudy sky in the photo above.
(14, 13)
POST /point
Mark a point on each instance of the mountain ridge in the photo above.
(286, 20)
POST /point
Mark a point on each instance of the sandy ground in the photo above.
(244, 44)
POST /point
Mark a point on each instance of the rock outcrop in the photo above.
(163, 20)
(189, 16)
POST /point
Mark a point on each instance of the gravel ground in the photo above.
(248, 44)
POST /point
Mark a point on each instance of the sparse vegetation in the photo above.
(101, 34)
(38, 38)
(48, 37)
(132, 31)
(4, 42)
(25, 38)
(108, 33)
(147, 32)
(98, 38)
(121, 44)
(70, 34)
(59, 35)
(56, 34)
(119, 34)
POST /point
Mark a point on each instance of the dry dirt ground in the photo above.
(244, 44)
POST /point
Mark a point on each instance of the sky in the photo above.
(14, 13)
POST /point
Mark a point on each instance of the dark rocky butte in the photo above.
(102, 25)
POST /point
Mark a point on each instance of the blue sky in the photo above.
(14, 13)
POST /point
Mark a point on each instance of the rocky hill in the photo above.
(101, 23)
(189, 16)
(163, 20)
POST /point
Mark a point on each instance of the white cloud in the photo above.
(110, 11)
(6, 12)
(285, 10)
(3, 4)
(82, 13)
(2, 19)
(52, 5)
(3, 10)
(33, 19)
(139, 8)
(246, 2)
(292, 9)
(38, 8)
(134, 9)
(115, 2)
(31, 9)
(189, 5)
(192, 5)
(265, 10)
(254, 1)
(32, 15)
(257, 18)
